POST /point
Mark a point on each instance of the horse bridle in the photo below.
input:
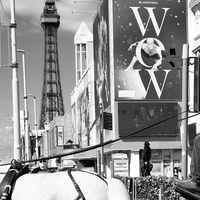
(78, 189)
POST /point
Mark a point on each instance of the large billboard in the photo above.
(148, 119)
(101, 58)
(145, 35)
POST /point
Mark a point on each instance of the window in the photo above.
(84, 63)
(60, 135)
(52, 138)
(81, 60)
(84, 57)
(57, 137)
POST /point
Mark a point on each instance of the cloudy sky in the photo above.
(30, 37)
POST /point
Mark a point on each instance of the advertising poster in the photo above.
(121, 167)
(45, 144)
(83, 113)
(101, 58)
(73, 111)
(145, 119)
(148, 41)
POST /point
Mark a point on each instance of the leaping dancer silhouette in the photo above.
(149, 49)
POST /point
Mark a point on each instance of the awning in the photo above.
(91, 154)
(135, 146)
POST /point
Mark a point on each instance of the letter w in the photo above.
(151, 17)
(155, 83)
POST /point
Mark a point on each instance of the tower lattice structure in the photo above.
(52, 98)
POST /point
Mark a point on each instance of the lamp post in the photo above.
(27, 141)
(185, 109)
(15, 86)
(36, 134)
(101, 138)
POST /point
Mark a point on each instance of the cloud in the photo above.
(71, 13)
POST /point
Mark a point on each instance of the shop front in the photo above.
(125, 158)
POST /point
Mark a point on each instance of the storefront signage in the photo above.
(120, 167)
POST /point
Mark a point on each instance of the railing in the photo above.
(150, 188)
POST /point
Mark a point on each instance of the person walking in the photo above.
(147, 166)
(43, 167)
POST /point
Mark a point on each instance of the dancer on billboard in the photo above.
(147, 48)
(102, 82)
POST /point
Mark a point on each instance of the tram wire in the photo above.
(105, 143)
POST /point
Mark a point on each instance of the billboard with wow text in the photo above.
(144, 33)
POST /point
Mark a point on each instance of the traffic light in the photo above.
(107, 121)
(196, 84)
(32, 145)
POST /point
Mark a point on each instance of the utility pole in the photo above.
(101, 137)
(185, 109)
(35, 119)
(15, 86)
(27, 138)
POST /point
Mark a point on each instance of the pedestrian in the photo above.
(58, 164)
(43, 167)
(147, 166)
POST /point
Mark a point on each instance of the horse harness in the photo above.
(14, 172)
(17, 169)
(80, 193)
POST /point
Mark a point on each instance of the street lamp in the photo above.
(15, 86)
(101, 137)
(36, 134)
(27, 142)
(185, 57)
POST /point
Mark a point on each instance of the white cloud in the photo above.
(32, 10)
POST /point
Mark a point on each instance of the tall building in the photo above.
(52, 98)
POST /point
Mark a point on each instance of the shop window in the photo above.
(177, 169)
(156, 171)
(167, 168)
(164, 161)
(167, 171)
(156, 157)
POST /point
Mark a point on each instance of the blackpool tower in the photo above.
(52, 98)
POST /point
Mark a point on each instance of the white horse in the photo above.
(77, 185)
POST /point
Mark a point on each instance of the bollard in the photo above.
(161, 196)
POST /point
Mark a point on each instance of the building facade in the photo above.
(125, 86)
(130, 66)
